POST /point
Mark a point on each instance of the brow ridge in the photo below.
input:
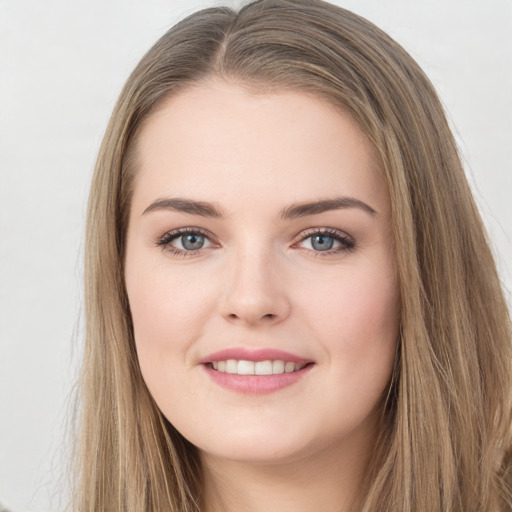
(206, 209)
(202, 208)
(316, 207)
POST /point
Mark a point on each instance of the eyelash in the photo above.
(346, 242)
(165, 241)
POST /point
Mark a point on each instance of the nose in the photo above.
(255, 292)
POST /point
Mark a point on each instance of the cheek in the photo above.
(356, 322)
(167, 317)
(356, 319)
(171, 310)
(357, 301)
(164, 305)
(158, 318)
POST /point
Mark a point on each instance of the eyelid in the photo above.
(164, 241)
(347, 242)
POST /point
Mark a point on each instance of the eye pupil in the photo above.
(322, 242)
(192, 242)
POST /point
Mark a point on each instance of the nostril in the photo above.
(268, 316)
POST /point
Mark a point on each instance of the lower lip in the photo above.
(256, 384)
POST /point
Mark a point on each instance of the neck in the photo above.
(328, 481)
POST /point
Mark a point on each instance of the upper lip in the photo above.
(263, 354)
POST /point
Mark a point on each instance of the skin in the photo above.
(259, 282)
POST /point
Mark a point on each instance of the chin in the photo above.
(256, 453)
(260, 446)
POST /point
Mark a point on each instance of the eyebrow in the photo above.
(206, 209)
(201, 208)
(304, 209)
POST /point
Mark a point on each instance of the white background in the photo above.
(62, 65)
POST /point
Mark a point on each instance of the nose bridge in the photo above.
(255, 293)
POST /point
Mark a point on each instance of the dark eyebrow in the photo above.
(313, 208)
(205, 209)
(186, 206)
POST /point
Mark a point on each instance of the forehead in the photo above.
(219, 139)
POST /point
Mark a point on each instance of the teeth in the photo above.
(263, 368)
(242, 367)
(289, 367)
(278, 367)
(245, 368)
(231, 366)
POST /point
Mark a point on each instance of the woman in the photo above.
(291, 302)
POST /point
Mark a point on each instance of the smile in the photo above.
(255, 371)
(244, 367)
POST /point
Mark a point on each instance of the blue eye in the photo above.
(184, 241)
(326, 241)
(192, 241)
(322, 242)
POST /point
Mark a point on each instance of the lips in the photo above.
(265, 354)
(255, 371)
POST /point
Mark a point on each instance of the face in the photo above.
(260, 273)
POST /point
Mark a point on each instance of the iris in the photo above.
(322, 242)
(192, 242)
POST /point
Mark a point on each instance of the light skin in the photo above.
(288, 246)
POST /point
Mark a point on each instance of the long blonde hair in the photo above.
(446, 427)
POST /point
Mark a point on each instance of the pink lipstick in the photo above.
(255, 371)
